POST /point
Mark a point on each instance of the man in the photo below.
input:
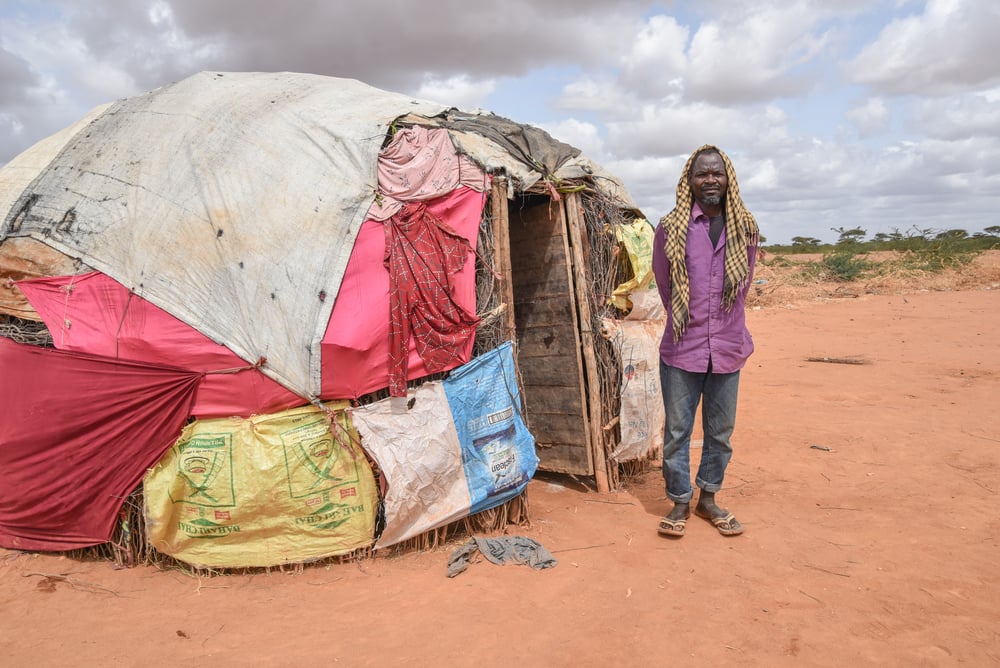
(704, 253)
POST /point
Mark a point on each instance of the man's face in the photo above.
(708, 179)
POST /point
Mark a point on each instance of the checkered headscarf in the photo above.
(741, 233)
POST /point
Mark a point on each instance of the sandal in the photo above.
(727, 525)
(669, 527)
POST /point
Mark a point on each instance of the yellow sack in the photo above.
(262, 491)
(637, 238)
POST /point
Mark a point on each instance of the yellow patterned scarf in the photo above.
(741, 232)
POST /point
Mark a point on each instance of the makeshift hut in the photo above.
(288, 316)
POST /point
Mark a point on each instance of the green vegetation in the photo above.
(916, 250)
(914, 240)
(844, 265)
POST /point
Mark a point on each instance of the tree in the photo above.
(951, 234)
(920, 233)
(993, 230)
(851, 236)
(805, 241)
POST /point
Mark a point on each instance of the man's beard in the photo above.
(711, 200)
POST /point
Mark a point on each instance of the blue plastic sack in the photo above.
(498, 451)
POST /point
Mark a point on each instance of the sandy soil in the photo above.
(869, 493)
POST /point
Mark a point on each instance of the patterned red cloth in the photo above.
(422, 253)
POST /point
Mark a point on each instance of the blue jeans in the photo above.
(682, 392)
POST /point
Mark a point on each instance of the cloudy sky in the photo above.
(879, 114)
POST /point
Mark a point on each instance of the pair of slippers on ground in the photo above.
(727, 525)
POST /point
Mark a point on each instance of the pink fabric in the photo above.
(93, 313)
(356, 345)
(421, 164)
(77, 433)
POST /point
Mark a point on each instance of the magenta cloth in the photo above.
(77, 433)
(356, 348)
(93, 313)
(712, 332)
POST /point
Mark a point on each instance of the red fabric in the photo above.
(77, 433)
(356, 346)
(93, 313)
(422, 254)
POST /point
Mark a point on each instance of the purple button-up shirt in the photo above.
(712, 332)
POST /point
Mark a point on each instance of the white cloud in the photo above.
(606, 97)
(656, 63)
(651, 181)
(672, 130)
(584, 136)
(870, 117)
(752, 54)
(949, 47)
(458, 91)
(957, 117)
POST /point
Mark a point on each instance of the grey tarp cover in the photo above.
(530, 145)
(230, 200)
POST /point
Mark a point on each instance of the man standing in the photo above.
(704, 252)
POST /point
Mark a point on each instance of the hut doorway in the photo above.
(555, 344)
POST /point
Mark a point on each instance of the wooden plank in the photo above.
(557, 401)
(563, 457)
(578, 244)
(551, 309)
(560, 428)
(548, 341)
(541, 252)
(544, 373)
(501, 256)
(543, 281)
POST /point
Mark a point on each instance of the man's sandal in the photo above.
(727, 525)
(669, 527)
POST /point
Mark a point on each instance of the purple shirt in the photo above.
(712, 332)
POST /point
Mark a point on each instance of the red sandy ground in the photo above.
(879, 549)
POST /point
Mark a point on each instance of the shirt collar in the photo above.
(696, 211)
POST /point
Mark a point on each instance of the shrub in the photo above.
(843, 265)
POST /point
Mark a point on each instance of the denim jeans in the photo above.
(682, 392)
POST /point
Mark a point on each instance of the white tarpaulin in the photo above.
(418, 451)
(17, 174)
(231, 200)
(637, 339)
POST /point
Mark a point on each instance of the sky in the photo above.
(878, 114)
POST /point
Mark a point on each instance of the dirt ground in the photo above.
(870, 494)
